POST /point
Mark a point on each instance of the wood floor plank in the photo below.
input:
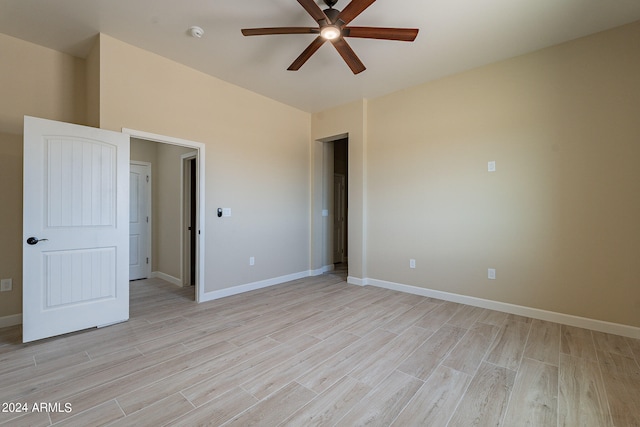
(612, 343)
(485, 402)
(31, 419)
(407, 319)
(377, 317)
(508, 346)
(634, 344)
(158, 414)
(327, 373)
(437, 317)
(428, 356)
(582, 397)
(302, 327)
(268, 327)
(219, 410)
(534, 400)
(97, 416)
(467, 355)
(543, 343)
(8, 364)
(273, 409)
(91, 396)
(465, 316)
(338, 324)
(384, 403)
(577, 342)
(83, 393)
(57, 361)
(492, 317)
(212, 379)
(435, 402)
(375, 367)
(25, 383)
(265, 383)
(621, 377)
(330, 406)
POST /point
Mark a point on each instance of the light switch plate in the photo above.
(491, 166)
(226, 211)
(491, 274)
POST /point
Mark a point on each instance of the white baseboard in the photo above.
(356, 281)
(166, 277)
(321, 270)
(210, 296)
(15, 319)
(536, 313)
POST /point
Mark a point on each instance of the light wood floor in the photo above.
(317, 351)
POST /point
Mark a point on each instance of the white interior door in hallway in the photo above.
(139, 221)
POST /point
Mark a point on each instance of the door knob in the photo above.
(34, 240)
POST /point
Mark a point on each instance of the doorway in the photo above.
(173, 207)
(340, 202)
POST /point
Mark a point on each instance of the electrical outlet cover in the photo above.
(6, 285)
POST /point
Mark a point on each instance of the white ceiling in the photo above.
(455, 35)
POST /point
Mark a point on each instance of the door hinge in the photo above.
(147, 220)
(147, 260)
(147, 178)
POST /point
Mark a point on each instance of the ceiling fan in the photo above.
(332, 26)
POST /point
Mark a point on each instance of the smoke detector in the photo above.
(196, 32)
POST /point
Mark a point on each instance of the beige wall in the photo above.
(11, 222)
(39, 82)
(167, 216)
(92, 70)
(257, 153)
(559, 219)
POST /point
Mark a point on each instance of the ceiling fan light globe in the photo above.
(330, 32)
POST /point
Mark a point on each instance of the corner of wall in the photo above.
(92, 66)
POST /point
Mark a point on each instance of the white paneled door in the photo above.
(139, 225)
(75, 228)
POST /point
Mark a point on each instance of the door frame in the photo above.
(149, 241)
(339, 209)
(185, 197)
(198, 147)
(321, 204)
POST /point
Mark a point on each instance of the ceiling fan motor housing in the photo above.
(332, 14)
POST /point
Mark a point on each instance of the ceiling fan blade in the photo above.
(400, 34)
(306, 54)
(279, 30)
(314, 10)
(348, 55)
(353, 9)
